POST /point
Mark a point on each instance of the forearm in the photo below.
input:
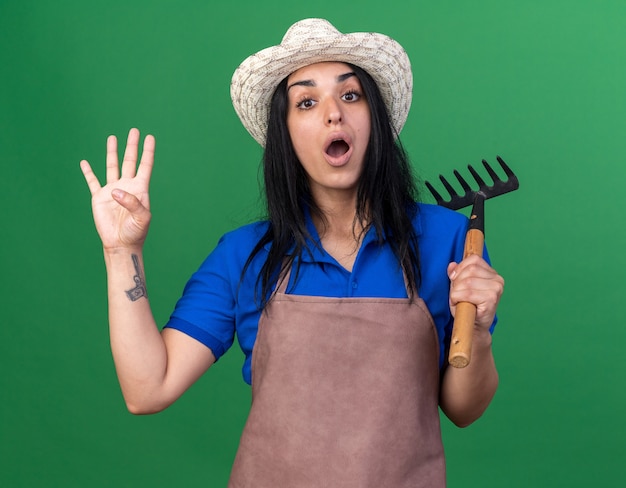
(138, 348)
(467, 392)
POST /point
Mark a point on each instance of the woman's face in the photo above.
(328, 120)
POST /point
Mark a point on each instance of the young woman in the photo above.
(342, 299)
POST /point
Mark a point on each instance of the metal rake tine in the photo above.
(434, 192)
(449, 187)
(509, 173)
(492, 173)
(477, 177)
(463, 183)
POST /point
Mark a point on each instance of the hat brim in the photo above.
(255, 80)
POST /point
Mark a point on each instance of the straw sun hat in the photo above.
(312, 41)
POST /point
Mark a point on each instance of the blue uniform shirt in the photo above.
(217, 303)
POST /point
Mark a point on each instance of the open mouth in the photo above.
(337, 148)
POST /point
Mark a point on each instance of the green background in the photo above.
(539, 82)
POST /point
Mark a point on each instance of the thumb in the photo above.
(129, 201)
(452, 270)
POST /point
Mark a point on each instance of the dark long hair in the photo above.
(386, 193)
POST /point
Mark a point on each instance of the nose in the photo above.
(332, 113)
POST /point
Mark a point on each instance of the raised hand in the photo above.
(121, 208)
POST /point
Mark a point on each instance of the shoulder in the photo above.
(234, 248)
(245, 236)
(440, 232)
(435, 219)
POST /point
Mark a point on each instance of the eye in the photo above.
(351, 96)
(305, 103)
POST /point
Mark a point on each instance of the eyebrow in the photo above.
(340, 79)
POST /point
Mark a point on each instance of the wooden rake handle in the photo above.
(461, 342)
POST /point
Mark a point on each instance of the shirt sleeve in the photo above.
(208, 309)
(205, 311)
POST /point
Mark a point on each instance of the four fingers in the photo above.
(129, 163)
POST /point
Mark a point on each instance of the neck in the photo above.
(338, 215)
(339, 231)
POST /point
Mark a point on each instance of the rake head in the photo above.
(484, 191)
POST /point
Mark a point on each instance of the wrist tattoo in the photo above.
(139, 290)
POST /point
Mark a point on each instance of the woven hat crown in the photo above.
(309, 29)
(312, 41)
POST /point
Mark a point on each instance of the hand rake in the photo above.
(461, 342)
